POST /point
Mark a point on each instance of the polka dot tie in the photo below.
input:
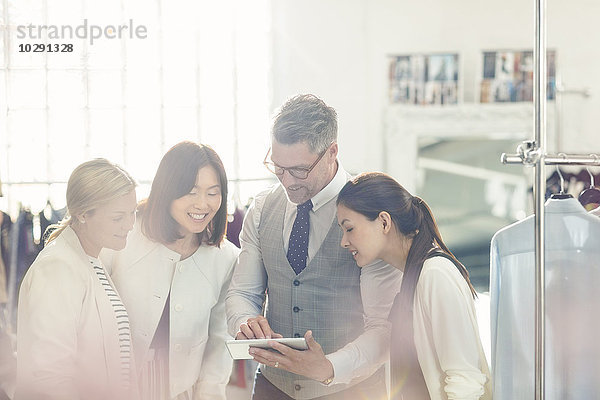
(298, 246)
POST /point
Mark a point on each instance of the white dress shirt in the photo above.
(572, 276)
(379, 283)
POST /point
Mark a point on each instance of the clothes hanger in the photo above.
(48, 210)
(552, 184)
(590, 197)
(562, 195)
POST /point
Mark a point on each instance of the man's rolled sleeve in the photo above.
(246, 292)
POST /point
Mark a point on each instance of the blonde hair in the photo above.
(91, 185)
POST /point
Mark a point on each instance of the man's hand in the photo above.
(256, 328)
(311, 363)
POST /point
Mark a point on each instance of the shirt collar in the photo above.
(332, 189)
(562, 206)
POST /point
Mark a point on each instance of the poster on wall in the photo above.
(423, 79)
(508, 76)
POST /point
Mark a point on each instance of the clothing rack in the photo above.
(554, 159)
(533, 153)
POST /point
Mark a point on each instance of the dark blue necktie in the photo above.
(298, 246)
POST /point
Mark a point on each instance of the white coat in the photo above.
(145, 273)
(67, 340)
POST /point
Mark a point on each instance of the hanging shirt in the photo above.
(5, 224)
(572, 272)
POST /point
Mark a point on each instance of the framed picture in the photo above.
(423, 79)
(508, 76)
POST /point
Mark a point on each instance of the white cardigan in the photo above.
(145, 272)
(67, 337)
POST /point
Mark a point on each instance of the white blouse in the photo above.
(447, 336)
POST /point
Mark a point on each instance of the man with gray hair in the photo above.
(314, 289)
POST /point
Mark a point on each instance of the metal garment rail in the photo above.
(556, 159)
(533, 153)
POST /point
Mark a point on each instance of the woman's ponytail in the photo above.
(428, 224)
(54, 230)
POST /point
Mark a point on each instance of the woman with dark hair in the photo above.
(436, 352)
(173, 276)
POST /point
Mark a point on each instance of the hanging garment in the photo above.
(23, 252)
(5, 226)
(572, 274)
(590, 198)
(48, 216)
(11, 278)
(234, 226)
(27, 250)
(8, 361)
(3, 285)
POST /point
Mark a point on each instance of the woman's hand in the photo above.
(310, 363)
(256, 328)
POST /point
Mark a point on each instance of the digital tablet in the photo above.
(238, 349)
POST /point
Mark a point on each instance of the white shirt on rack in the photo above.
(572, 272)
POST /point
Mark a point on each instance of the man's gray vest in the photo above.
(324, 297)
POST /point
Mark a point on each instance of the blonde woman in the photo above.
(73, 338)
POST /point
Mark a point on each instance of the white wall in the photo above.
(320, 47)
(337, 49)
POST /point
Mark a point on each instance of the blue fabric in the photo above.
(298, 245)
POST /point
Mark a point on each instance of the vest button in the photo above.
(296, 282)
(296, 309)
(297, 387)
(297, 335)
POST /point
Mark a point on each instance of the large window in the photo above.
(182, 70)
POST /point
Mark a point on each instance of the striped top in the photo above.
(121, 317)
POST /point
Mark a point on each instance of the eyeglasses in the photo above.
(296, 172)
